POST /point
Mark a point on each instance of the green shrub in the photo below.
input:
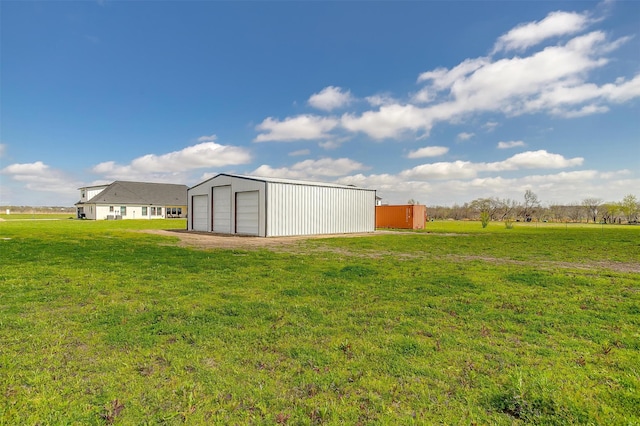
(485, 218)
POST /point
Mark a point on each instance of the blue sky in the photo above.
(442, 102)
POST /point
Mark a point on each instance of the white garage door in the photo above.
(199, 218)
(222, 209)
(247, 213)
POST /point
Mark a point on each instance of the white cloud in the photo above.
(329, 166)
(330, 144)
(299, 153)
(282, 172)
(489, 126)
(585, 110)
(3, 149)
(443, 170)
(540, 159)
(423, 96)
(330, 98)
(40, 177)
(312, 169)
(464, 136)
(26, 169)
(390, 121)
(510, 144)
(554, 79)
(302, 127)
(380, 99)
(466, 169)
(555, 24)
(442, 78)
(379, 181)
(559, 99)
(562, 187)
(160, 167)
(428, 151)
(210, 138)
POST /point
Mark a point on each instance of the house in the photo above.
(132, 200)
(272, 207)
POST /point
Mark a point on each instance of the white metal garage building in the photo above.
(271, 207)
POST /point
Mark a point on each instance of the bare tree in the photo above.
(507, 208)
(531, 205)
(556, 211)
(591, 206)
(575, 212)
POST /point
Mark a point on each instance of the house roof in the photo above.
(122, 192)
(287, 181)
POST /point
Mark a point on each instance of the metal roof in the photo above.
(161, 194)
(286, 181)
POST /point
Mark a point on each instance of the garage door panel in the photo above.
(222, 209)
(199, 218)
(247, 209)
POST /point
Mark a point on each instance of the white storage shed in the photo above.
(272, 207)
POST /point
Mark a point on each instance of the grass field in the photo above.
(103, 324)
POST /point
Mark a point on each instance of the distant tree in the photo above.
(556, 211)
(609, 212)
(591, 206)
(481, 208)
(507, 209)
(530, 206)
(412, 201)
(629, 207)
(575, 212)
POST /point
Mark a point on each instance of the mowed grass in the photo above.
(102, 324)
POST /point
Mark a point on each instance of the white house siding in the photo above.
(309, 210)
(90, 211)
(103, 212)
(92, 192)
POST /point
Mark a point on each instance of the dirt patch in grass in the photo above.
(590, 265)
(207, 240)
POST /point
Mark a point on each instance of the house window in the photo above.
(144, 211)
(110, 208)
(159, 211)
(82, 194)
(123, 211)
(153, 211)
(179, 211)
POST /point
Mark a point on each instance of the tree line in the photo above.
(531, 209)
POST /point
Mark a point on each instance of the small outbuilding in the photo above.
(272, 207)
(409, 216)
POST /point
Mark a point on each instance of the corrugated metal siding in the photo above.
(409, 216)
(308, 210)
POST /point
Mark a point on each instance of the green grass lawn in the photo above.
(102, 324)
